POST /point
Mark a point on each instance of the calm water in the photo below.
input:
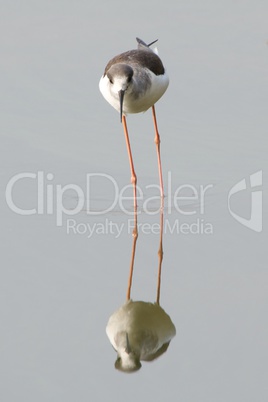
(65, 264)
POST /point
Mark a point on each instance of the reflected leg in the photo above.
(135, 237)
(160, 257)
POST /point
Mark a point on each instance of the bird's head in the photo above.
(120, 79)
(127, 361)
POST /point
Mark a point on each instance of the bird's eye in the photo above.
(111, 81)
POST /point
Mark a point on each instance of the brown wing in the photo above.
(142, 57)
(158, 353)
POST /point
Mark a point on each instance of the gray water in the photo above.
(60, 282)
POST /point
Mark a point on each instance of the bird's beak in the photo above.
(128, 348)
(121, 94)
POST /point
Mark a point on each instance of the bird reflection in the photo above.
(140, 330)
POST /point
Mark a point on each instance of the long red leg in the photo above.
(133, 174)
(157, 142)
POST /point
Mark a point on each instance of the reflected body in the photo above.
(139, 331)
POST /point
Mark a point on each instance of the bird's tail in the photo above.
(143, 46)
